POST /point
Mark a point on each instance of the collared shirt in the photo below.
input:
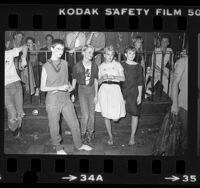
(79, 73)
(10, 70)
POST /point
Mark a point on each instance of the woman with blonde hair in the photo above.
(110, 100)
(85, 73)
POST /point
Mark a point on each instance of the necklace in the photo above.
(56, 67)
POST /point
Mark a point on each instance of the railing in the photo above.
(149, 65)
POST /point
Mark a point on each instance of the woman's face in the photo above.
(88, 54)
(49, 41)
(109, 55)
(19, 37)
(130, 55)
(57, 50)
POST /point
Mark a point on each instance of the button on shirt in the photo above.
(10, 70)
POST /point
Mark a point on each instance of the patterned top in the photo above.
(114, 68)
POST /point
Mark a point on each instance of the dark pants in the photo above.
(14, 104)
(56, 104)
(36, 72)
(71, 63)
(183, 116)
(86, 99)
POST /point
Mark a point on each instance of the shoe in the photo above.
(19, 137)
(83, 138)
(85, 147)
(61, 152)
(15, 133)
(149, 91)
(89, 138)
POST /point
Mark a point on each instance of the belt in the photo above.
(110, 82)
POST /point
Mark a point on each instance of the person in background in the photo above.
(54, 81)
(138, 44)
(30, 75)
(110, 100)
(180, 92)
(13, 90)
(45, 53)
(17, 41)
(97, 40)
(85, 73)
(74, 42)
(162, 54)
(140, 58)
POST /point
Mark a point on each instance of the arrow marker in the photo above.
(70, 178)
(173, 178)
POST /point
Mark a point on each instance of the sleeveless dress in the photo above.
(110, 99)
(133, 78)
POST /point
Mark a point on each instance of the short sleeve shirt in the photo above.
(10, 70)
(114, 68)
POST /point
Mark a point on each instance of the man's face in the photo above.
(109, 56)
(138, 43)
(88, 54)
(164, 42)
(57, 50)
(19, 37)
(48, 41)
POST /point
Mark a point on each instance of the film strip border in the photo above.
(120, 170)
(110, 22)
(98, 169)
(164, 18)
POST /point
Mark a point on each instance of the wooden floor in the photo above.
(37, 138)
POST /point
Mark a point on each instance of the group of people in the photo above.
(113, 88)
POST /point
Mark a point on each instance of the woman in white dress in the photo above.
(110, 100)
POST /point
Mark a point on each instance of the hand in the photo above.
(105, 76)
(72, 51)
(23, 63)
(63, 88)
(139, 100)
(70, 88)
(95, 99)
(174, 109)
(111, 77)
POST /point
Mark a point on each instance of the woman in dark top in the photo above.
(132, 88)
